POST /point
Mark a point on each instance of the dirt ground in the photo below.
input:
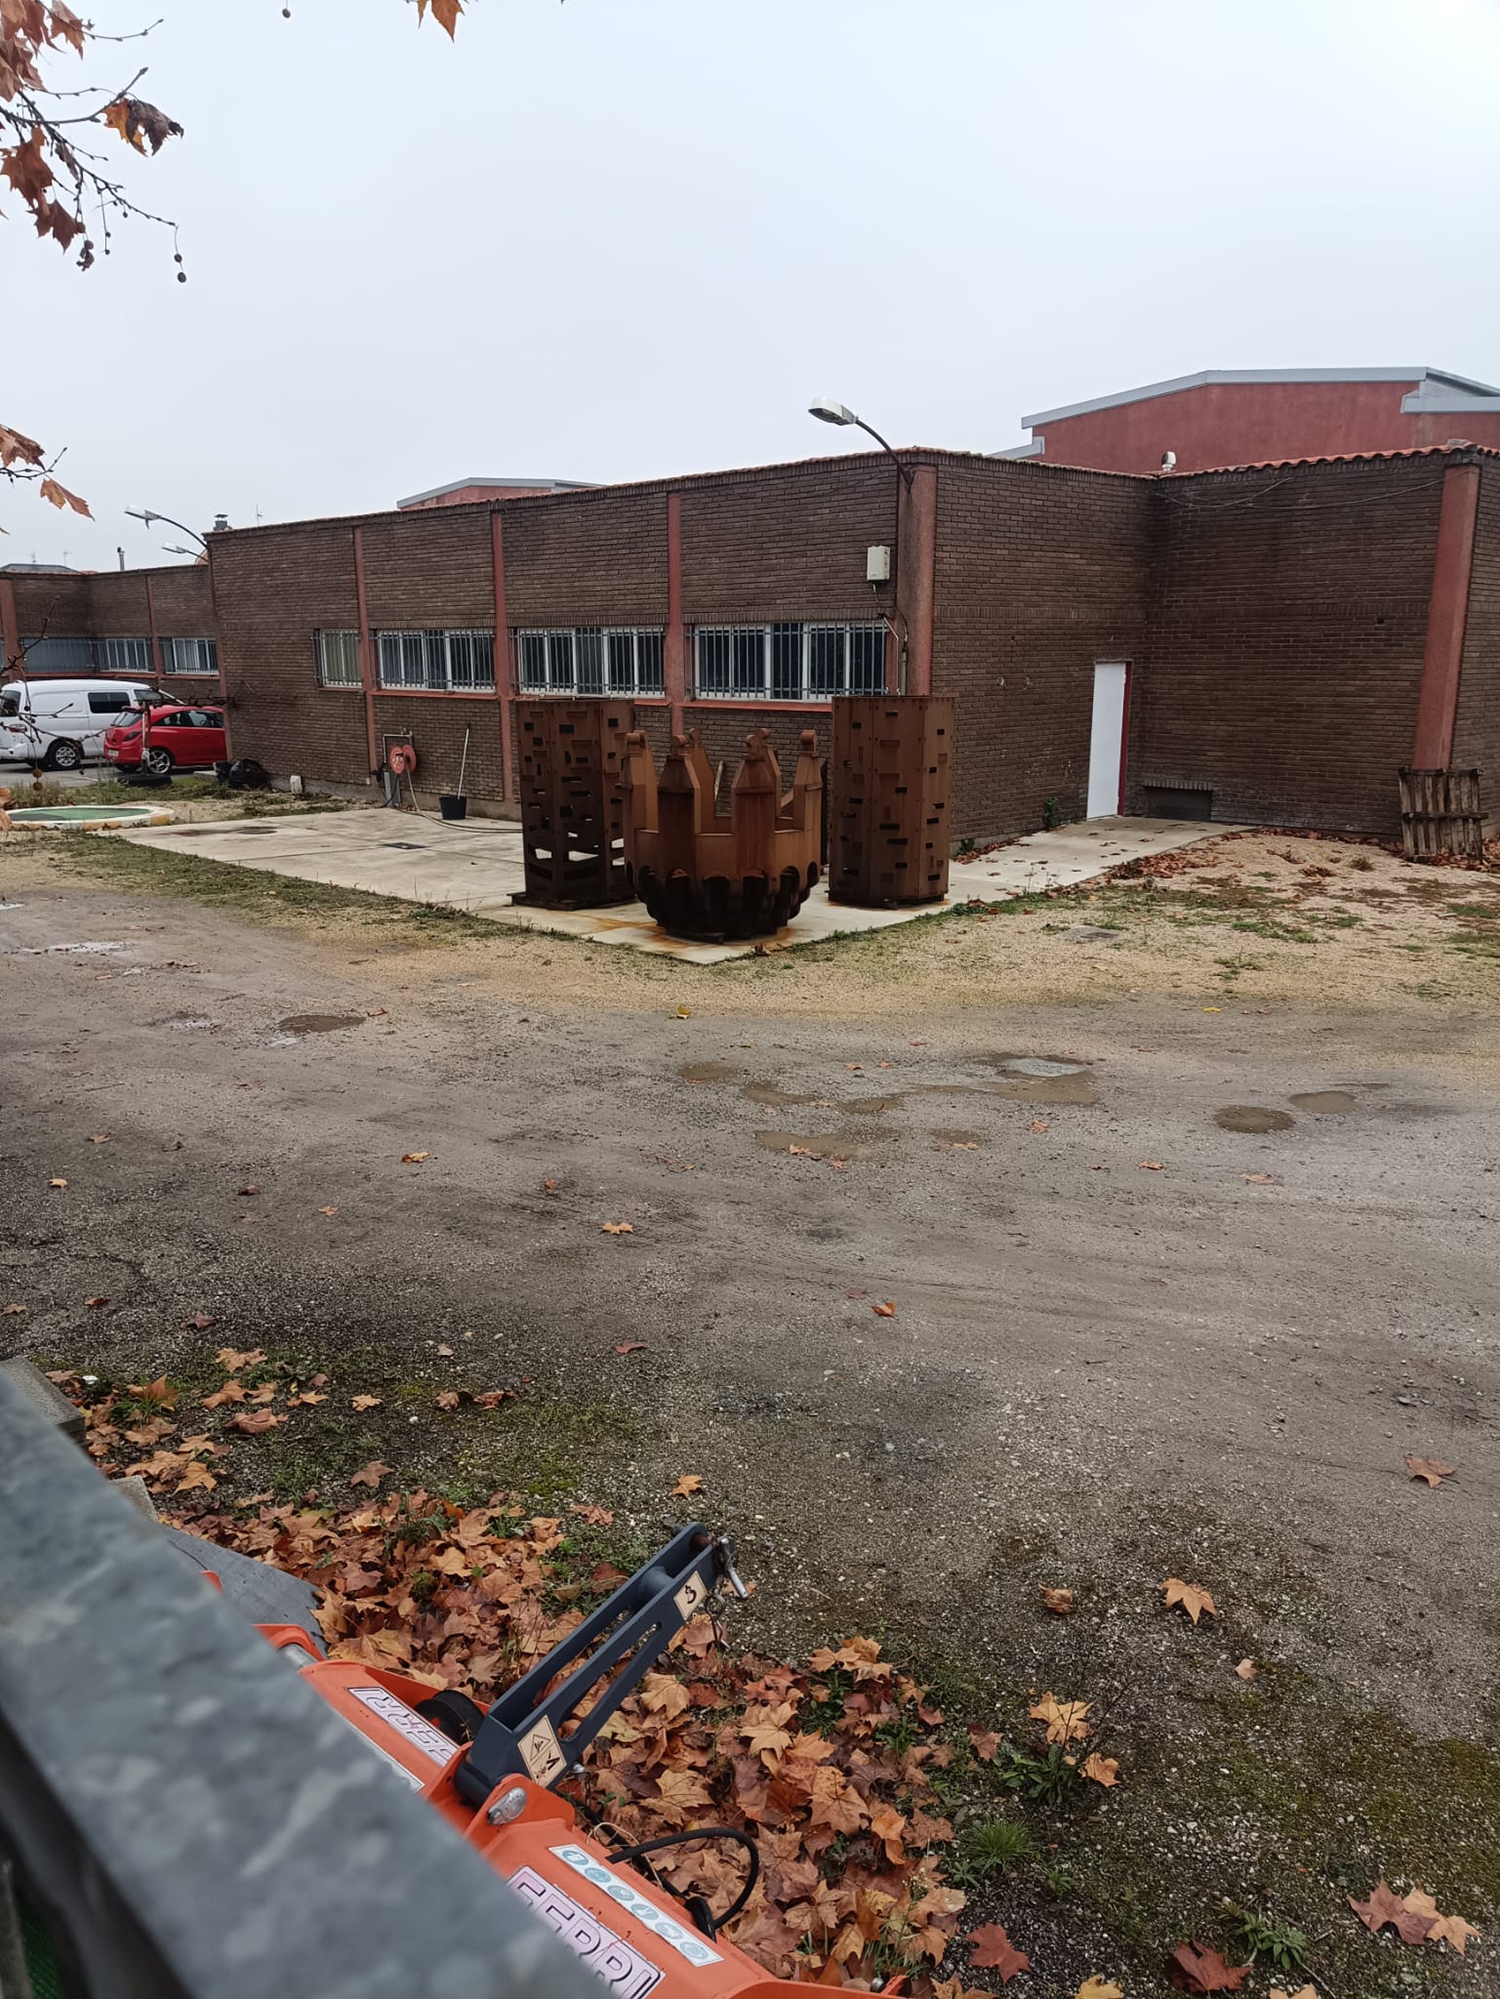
(1184, 1191)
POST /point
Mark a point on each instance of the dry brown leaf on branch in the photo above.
(1386, 1908)
(617, 1228)
(371, 1474)
(885, 1310)
(1058, 1601)
(1432, 1470)
(1193, 1967)
(688, 1483)
(992, 1950)
(363, 1402)
(1101, 1988)
(631, 1346)
(1066, 1721)
(1193, 1599)
(1102, 1770)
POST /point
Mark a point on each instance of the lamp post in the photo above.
(828, 411)
(149, 514)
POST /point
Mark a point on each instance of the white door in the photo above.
(1107, 739)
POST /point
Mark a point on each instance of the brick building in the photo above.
(1269, 643)
(1219, 419)
(158, 622)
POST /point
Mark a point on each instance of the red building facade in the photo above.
(1215, 420)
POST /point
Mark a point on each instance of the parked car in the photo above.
(62, 724)
(178, 739)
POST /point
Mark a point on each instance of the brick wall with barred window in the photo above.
(1476, 736)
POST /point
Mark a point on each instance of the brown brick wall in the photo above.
(1284, 654)
(435, 730)
(787, 543)
(1039, 573)
(275, 587)
(586, 559)
(1476, 736)
(430, 570)
(57, 606)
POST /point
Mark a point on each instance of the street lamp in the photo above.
(828, 411)
(148, 515)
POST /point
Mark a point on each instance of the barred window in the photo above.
(437, 661)
(124, 655)
(45, 655)
(338, 659)
(189, 656)
(590, 659)
(788, 662)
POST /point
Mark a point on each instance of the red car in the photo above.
(179, 739)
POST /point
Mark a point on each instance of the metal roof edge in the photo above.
(458, 485)
(1212, 376)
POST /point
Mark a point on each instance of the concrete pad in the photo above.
(477, 866)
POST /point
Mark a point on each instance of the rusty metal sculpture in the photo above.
(891, 785)
(572, 815)
(708, 877)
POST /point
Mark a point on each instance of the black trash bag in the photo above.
(244, 774)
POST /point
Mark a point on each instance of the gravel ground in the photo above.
(1132, 1338)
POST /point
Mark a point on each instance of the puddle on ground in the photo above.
(1252, 1117)
(319, 1023)
(821, 1144)
(767, 1093)
(1074, 1087)
(1324, 1103)
(713, 1072)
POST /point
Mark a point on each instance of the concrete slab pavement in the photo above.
(476, 866)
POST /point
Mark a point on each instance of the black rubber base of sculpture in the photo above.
(719, 911)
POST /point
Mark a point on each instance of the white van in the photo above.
(60, 723)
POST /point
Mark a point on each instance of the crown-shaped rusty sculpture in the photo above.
(712, 878)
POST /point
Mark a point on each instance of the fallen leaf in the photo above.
(371, 1474)
(1100, 1988)
(1433, 1470)
(328, 1211)
(1193, 1599)
(94, 1303)
(984, 1742)
(1306, 1992)
(1102, 1770)
(257, 1422)
(1213, 1009)
(617, 1228)
(1065, 1720)
(448, 1399)
(1247, 1669)
(1194, 1968)
(493, 1397)
(1058, 1600)
(200, 1322)
(304, 1399)
(448, 1351)
(992, 1950)
(98, 1138)
(13, 1311)
(57, 1183)
(549, 1186)
(159, 1394)
(197, 1474)
(236, 1363)
(1386, 1907)
(1150, 1165)
(1453, 1930)
(248, 1191)
(885, 1065)
(232, 1391)
(1040, 1125)
(688, 1483)
(856, 1294)
(265, 1393)
(1259, 1179)
(855, 1066)
(887, 1310)
(594, 1516)
(631, 1346)
(363, 1402)
(412, 1158)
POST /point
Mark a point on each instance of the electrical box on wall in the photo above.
(877, 565)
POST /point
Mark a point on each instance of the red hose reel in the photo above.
(401, 759)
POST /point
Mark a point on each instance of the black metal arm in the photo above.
(522, 1735)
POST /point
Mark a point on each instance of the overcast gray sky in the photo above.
(617, 238)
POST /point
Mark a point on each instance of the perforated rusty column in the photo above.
(890, 798)
(572, 815)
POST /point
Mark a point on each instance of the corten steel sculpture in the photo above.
(891, 786)
(707, 877)
(572, 813)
